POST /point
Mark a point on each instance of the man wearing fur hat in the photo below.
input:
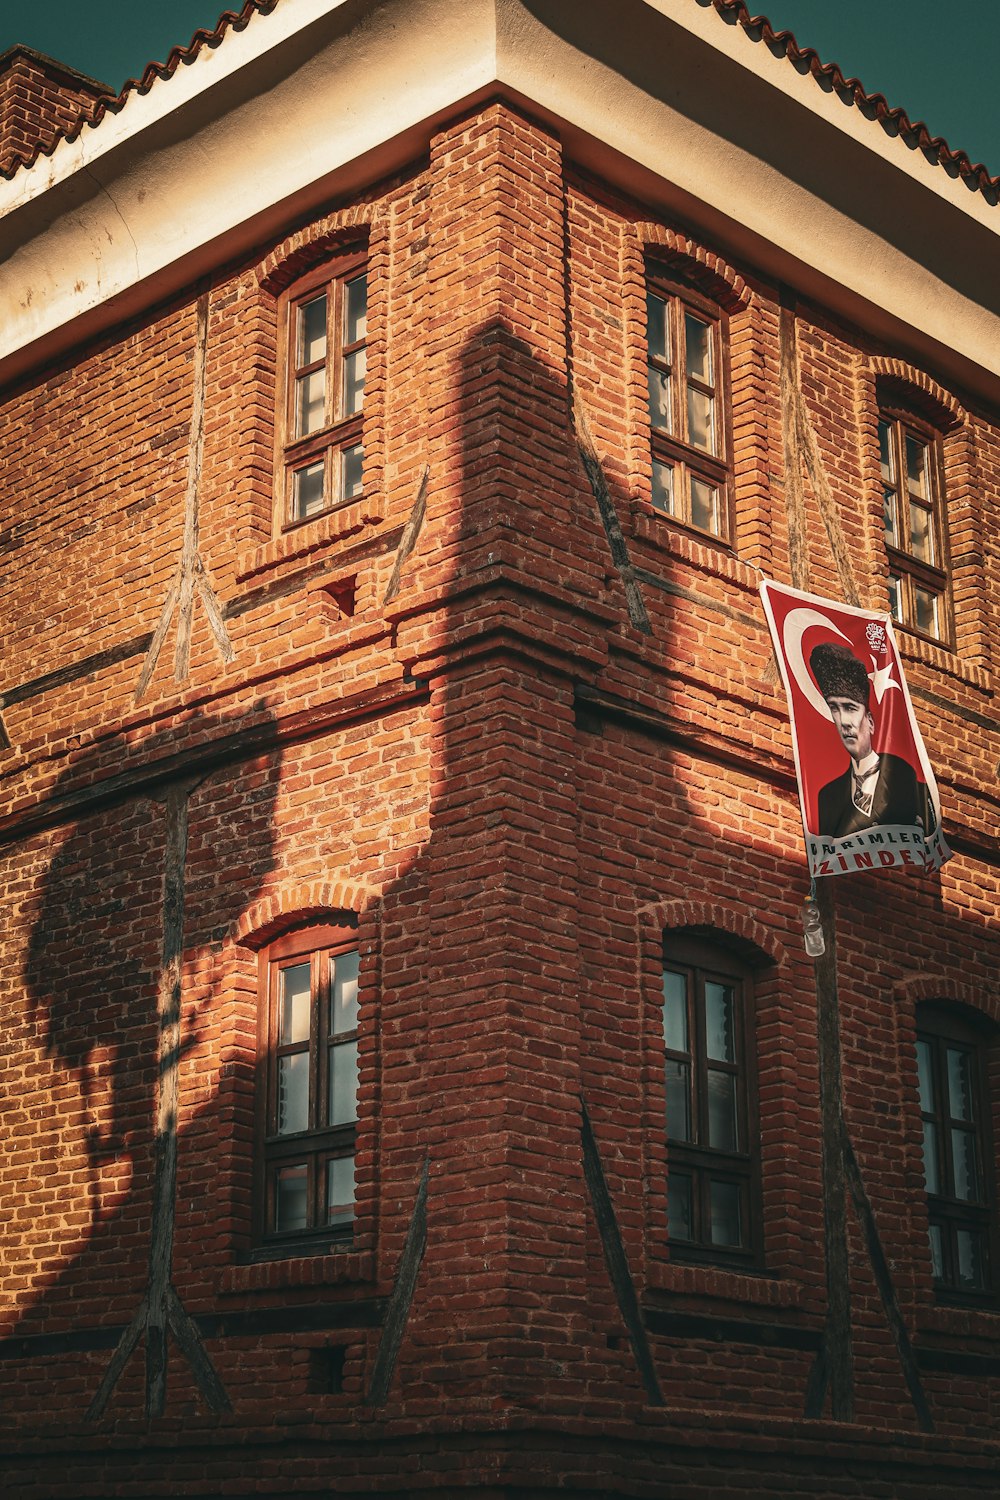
(876, 789)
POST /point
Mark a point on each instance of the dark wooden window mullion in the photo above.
(913, 571)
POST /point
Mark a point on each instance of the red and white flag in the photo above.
(867, 792)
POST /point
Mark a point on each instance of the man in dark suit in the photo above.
(875, 789)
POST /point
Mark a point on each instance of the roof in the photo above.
(693, 108)
(891, 118)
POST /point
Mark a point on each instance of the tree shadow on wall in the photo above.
(109, 921)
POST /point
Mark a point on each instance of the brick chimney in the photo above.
(40, 99)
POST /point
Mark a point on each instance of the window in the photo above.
(688, 406)
(957, 1161)
(322, 459)
(712, 1191)
(307, 1109)
(912, 489)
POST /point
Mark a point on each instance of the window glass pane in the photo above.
(675, 1024)
(340, 1190)
(678, 1101)
(307, 492)
(704, 506)
(719, 1042)
(290, 1197)
(343, 1106)
(293, 1005)
(679, 1226)
(971, 1260)
(352, 471)
(925, 1078)
(355, 366)
(889, 512)
(916, 467)
(310, 403)
(701, 420)
(959, 1084)
(722, 1110)
(921, 533)
(886, 457)
(925, 610)
(344, 993)
(659, 400)
(932, 1176)
(356, 310)
(963, 1165)
(937, 1251)
(698, 336)
(293, 1093)
(894, 598)
(657, 328)
(725, 1200)
(312, 331)
(663, 486)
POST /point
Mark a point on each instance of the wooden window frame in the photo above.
(319, 1142)
(911, 571)
(941, 1028)
(338, 433)
(674, 448)
(698, 961)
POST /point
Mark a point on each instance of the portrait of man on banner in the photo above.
(866, 789)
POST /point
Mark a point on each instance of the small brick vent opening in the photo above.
(326, 1370)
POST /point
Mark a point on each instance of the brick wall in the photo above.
(519, 777)
(40, 100)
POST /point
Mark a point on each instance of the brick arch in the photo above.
(307, 247)
(706, 270)
(292, 905)
(920, 987)
(728, 921)
(940, 406)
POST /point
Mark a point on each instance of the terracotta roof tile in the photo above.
(230, 20)
(894, 120)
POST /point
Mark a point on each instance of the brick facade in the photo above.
(554, 739)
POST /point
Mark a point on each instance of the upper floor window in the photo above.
(912, 495)
(322, 457)
(958, 1163)
(712, 1190)
(308, 1085)
(688, 406)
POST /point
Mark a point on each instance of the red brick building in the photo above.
(413, 1079)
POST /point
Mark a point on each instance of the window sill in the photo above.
(914, 648)
(961, 1322)
(649, 525)
(310, 536)
(723, 1285)
(334, 1269)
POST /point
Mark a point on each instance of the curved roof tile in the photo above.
(230, 20)
(874, 106)
(758, 28)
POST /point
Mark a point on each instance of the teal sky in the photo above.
(936, 58)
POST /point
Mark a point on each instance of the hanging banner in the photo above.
(867, 792)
